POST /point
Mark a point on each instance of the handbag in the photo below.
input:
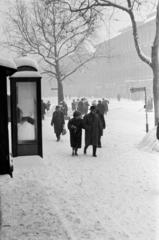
(64, 131)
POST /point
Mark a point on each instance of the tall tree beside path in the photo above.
(50, 30)
(131, 7)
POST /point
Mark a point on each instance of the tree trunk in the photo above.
(60, 92)
(156, 92)
(155, 68)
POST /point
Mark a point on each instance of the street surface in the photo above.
(112, 197)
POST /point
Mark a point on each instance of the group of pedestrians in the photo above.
(102, 105)
(93, 123)
(64, 107)
(80, 105)
(45, 107)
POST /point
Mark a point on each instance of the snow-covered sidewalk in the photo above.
(112, 197)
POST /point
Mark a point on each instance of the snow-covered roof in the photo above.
(9, 65)
(26, 61)
(24, 74)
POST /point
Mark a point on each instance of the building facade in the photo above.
(119, 69)
(123, 68)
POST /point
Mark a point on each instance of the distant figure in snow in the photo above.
(101, 107)
(43, 108)
(73, 105)
(85, 107)
(118, 97)
(58, 121)
(48, 104)
(149, 104)
(75, 127)
(93, 128)
(80, 106)
(64, 107)
(77, 101)
(105, 103)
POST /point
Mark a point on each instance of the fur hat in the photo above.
(76, 113)
(92, 108)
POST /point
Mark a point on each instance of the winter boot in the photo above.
(85, 149)
(73, 151)
(94, 151)
(76, 149)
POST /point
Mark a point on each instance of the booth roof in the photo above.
(26, 74)
(26, 61)
(9, 65)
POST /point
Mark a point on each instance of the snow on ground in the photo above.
(149, 142)
(112, 197)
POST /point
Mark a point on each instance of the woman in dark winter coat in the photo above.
(58, 121)
(75, 127)
(93, 129)
(102, 120)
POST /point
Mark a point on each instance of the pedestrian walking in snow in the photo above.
(105, 103)
(43, 108)
(75, 127)
(58, 121)
(149, 104)
(85, 106)
(48, 104)
(100, 107)
(118, 96)
(103, 124)
(77, 101)
(73, 105)
(80, 106)
(93, 129)
(64, 107)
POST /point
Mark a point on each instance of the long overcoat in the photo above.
(101, 108)
(80, 107)
(106, 108)
(58, 121)
(103, 123)
(75, 133)
(93, 129)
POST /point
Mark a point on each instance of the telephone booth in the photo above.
(7, 68)
(26, 120)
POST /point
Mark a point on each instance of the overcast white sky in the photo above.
(119, 21)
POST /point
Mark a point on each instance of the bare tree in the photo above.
(50, 30)
(131, 7)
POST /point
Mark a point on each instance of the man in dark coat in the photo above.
(93, 129)
(43, 108)
(100, 107)
(102, 120)
(75, 127)
(58, 121)
(80, 106)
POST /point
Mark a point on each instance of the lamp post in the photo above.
(132, 90)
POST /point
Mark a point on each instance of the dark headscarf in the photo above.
(76, 114)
